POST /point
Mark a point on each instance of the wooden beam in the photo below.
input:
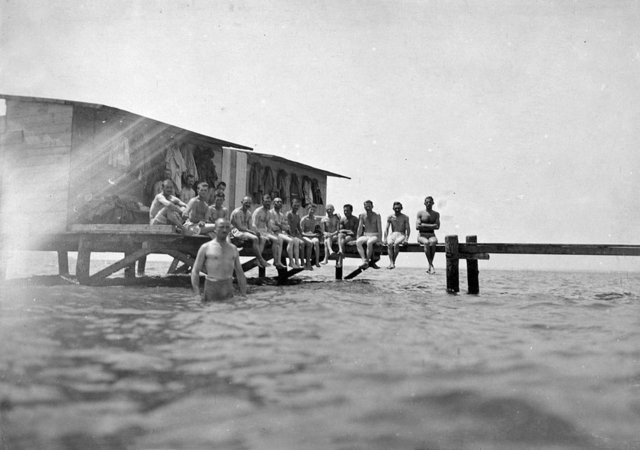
(554, 249)
(118, 265)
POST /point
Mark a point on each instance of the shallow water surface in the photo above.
(387, 360)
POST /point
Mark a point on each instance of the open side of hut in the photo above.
(65, 162)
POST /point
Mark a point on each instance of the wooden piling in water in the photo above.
(473, 283)
(63, 262)
(453, 262)
(84, 260)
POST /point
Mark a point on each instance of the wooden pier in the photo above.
(135, 242)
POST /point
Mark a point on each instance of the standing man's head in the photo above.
(277, 204)
(167, 187)
(190, 180)
(368, 206)
(428, 201)
(246, 203)
(202, 189)
(222, 229)
(221, 186)
(266, 201)
(348, 210)
(219, 198)
(397, 207)
(311, 208)
(295, 204)
(330, 209)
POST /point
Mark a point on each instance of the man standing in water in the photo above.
(369, 232)
(400, 230)
(427, 223)
(220, 259)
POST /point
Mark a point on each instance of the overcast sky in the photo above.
(521, 119)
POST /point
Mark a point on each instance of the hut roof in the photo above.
(171, 128)
(178, 131)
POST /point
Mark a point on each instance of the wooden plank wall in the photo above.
(290, 168)
(35, 179)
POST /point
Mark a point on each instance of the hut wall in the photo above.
(36, 145)
(119, 161)
(255, 188)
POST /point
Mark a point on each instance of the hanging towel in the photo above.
(294, 188)
(268, 181)
(255, 187)
(187, 154)
(306, 191)
(317, 193)
(119, 153)
(282, 185)
(175, 163)
(203, 157)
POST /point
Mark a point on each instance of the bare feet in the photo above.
(326, 261)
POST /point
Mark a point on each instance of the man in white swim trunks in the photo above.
(166, 208)
(220, 259)
(369, 233)
(330, 225)
(242, 229)
(280, 226)
(260, 221)
(311, 234)
(427, 222)
(348, 229)
(400, 231)
(296, 233)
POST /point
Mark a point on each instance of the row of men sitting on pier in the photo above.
(301, 236)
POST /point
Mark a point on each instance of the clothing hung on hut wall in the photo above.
(140, 158)
(119, 153)
(203, 158)
(307, 193)
(282, 185)
(255, 185)
(174, 162)
(187, 154)
(294, 188)
(317, 193)
(268, 181)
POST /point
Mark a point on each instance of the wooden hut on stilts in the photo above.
(78, 176)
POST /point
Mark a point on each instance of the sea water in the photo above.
(389, 360)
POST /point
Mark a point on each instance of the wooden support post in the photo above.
(84, 260)
(339, 268)
(473, 283)
(262, 272)
(129, 271)
(63, 262)
(142, 265)
(453, 262)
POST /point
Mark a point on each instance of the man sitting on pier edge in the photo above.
(166, 208)
(370, 233)
(427, 222)
(243, 231)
